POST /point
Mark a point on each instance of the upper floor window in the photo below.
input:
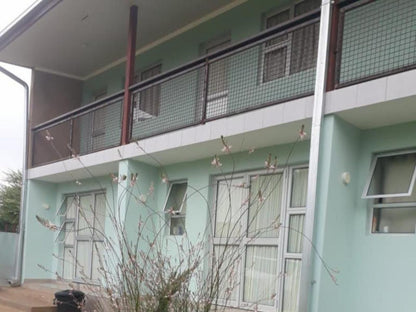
(391, 186)
(217, 95)
(294, 51)
(146, 103)
(257, 242)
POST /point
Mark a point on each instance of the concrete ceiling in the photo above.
(79, 37)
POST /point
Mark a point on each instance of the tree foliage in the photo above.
(10, 192)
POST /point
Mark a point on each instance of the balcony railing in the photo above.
(274, 66)
(91, 128)
(254, 74)
(375, 39)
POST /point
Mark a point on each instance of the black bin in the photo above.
(69, 300)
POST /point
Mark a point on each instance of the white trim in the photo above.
(58, 73)
(372, 169)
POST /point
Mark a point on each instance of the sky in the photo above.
(12, 97)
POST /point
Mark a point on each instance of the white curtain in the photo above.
(100, 213)
(226, 271)
(264, 212)
(230, 200)
(291, 285)
(295, 239)
(260, 275)
(83, 263)
(85, 216)
(299, 187)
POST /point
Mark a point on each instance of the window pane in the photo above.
(291, 285)
(274, 64)
(260, 276)
(295, 238)
(177, 225)
(218, 71)
(96, 257)
(299, 187)
(264, 212)
(68, 263)
(69, 233)
(230, 200)
(394, 220)
(176, 197)
(306, 5)
(226, 271)
(150, 97)
(83, 262)
(85, 216)
(392, 175)
(71, 206)
(100, 213)
(304, 48)
(277, 19)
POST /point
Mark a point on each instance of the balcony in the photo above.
(275, 66)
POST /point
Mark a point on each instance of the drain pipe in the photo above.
(306, 282)
(17, 279)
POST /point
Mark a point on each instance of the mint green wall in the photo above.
(375, 270)
(39, 241)
(180, 98)
(378, 37)
(147, 212)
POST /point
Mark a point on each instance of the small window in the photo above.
(391, 176)
(391, 186)
(147, 101)
(175, 208)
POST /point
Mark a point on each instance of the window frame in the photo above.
(138, 114)
(178, 214)
(218, 98)
(371, 174)
(281, 242)
(91, 239)
(285, 43)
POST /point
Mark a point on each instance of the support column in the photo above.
(306, 283)
(333, 48)
(129, 74)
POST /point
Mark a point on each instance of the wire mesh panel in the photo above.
(270, 71)
(376, 38)
(167, 105)
(97, 129)
(51, 144)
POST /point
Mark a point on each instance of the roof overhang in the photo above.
(79, 38)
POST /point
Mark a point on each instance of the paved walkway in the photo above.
(27, 299)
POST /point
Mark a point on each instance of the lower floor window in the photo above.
(82, 236)
(257, 244)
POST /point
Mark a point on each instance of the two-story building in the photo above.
(327, 87)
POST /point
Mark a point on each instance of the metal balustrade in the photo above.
(375, 39)
(89, 129)
(272, 67)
